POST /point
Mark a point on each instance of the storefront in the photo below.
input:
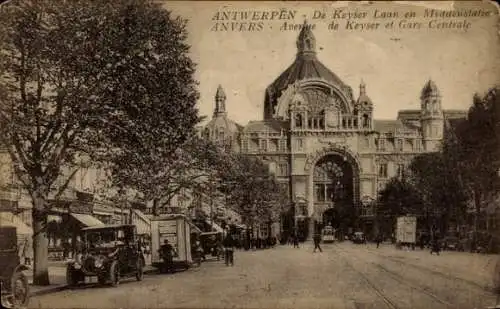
(64, 222)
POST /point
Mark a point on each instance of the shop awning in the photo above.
(102, 213)
(87, 220)
(9, 219)
(142, 222)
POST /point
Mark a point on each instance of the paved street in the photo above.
(343, 276)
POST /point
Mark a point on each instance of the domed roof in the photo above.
(430, 89)
(222, 121)
(364, 100)
(305, 66)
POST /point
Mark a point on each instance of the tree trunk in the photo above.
(40, 243)
(155, 207)
(477, 205)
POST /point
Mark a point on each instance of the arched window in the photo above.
(366, 121)
(221, 133)
(298, 121)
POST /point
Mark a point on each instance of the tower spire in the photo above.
(362, 88)
(220, 101)
(306, 42)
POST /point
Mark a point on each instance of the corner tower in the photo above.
(220, 102)
(220, 129)
(431, 116)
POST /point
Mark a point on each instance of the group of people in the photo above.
(167, 252)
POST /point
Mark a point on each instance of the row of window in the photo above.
(216, 133)
(265, 145)
(318, 122)
(383, 170)
(382, 144)
(328, 192)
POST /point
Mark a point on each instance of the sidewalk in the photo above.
(57, 279)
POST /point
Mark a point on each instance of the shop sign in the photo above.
(168, 230)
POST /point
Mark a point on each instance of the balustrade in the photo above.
(344, 122)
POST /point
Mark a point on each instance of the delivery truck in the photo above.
(406, 231)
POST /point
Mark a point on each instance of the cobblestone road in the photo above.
(343, 276)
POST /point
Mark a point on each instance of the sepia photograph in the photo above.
(249, 154)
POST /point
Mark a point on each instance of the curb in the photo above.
(58, 288)
(48, 290)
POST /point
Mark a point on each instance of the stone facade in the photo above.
(323, 143)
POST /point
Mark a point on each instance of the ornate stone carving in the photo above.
(339, 142)
(317, 100)
(334, 148)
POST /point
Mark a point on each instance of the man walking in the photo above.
(317, 240)
(229, 250)
(378, 240)
(295, 240)
(167, 254)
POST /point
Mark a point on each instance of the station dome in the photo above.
(305, 66)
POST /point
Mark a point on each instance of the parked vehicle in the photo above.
(178, 230)
(328, 234)
(14, 284)
(406, 231)
(359, 238)
(110, 252)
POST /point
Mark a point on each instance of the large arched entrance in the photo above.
(334, 179)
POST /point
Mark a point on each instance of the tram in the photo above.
(328, 234)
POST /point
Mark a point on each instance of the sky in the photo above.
(394, 64)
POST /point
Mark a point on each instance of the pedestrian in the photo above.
(295, 240)
(167, 254)
(317, 241)
(378, 240)
(435, 248)
(28, 250)
(229, 250)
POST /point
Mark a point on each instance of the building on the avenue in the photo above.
(323, 143)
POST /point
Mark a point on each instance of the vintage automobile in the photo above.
(14, 284)
(109, 252)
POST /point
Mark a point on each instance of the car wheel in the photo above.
(20, 290)
(139, 275)
(71, 278)
(114, 274)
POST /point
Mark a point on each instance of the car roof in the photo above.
(107, 227)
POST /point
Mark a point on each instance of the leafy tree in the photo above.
(106, 79)
(399, 198)
(194, 165)
(252, 189)
(474, 149)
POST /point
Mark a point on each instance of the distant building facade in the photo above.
(323, 144)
